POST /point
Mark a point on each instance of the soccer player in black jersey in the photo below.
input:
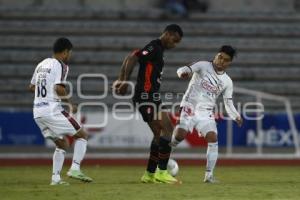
(147, 99)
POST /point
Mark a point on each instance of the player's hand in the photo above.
(184, 72)
(122, 89)
(116, 85)
(73, 109)
(185, 75)
(239, 121)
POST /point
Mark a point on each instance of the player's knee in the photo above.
(180, 134)
(166, 134)
(156, 128)
(81, 134)
(156, 138)
(166, 122)
(62, 144)
(211, 137)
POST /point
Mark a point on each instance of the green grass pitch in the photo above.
(120, 182)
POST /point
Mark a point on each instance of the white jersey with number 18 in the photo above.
(47, 75)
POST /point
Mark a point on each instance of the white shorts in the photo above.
(56, 126)
(203, 121)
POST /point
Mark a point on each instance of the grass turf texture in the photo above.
(119, 182)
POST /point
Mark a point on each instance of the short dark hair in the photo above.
(229, 50)
(174, 28)
(62, 44)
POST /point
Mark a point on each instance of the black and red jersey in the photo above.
(150, 70)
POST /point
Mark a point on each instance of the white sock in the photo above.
(174, 142)
(79, 152)
(211, 156)
(58, 161)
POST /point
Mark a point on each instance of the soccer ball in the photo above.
(173, 167)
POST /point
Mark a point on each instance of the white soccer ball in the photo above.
(173, 167)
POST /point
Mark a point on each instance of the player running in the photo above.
(208, 81)
(147, 99)
(48, 83)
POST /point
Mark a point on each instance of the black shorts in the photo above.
(148, 109)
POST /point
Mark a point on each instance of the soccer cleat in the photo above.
(163, 176)
(77, 174)
(60, 182)
(148, 177)
(209, 178)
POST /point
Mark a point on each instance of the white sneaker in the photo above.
(60, 182)
(209, 178)
(77, 174)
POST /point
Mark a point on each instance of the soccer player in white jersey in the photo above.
(48, 84)
(209, 80)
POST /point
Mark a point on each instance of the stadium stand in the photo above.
(268, 44)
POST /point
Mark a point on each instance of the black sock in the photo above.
(164, 153)
(153, 159)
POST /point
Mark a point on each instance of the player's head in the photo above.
(63, 48)
(224, 57)
(171, 36)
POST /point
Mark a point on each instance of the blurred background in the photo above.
(266, 70)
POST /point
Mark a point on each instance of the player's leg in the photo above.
(147, 112)
(148, 176)
(178, 135)
(162, 175)
(154, 148)
(164, 141)
(45, 124)
(211, 155)
(181, 129)
(208, 130)
(206, 126)
(80, 146)
(65, 124)
(58, 161)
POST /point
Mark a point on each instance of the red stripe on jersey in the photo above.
(148, 73)
(71, 120)
(64, 71)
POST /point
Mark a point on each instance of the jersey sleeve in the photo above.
(191, 68)
(148, 53)
(227, 94)
(228, 102)
(196, 67)
(60, 73)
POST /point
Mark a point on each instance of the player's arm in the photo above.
(63, 95)
(31, 88)
(187, 71)
(228, 102)
(129, 62)
(147, 54)
(127, 66)
(60, 86)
